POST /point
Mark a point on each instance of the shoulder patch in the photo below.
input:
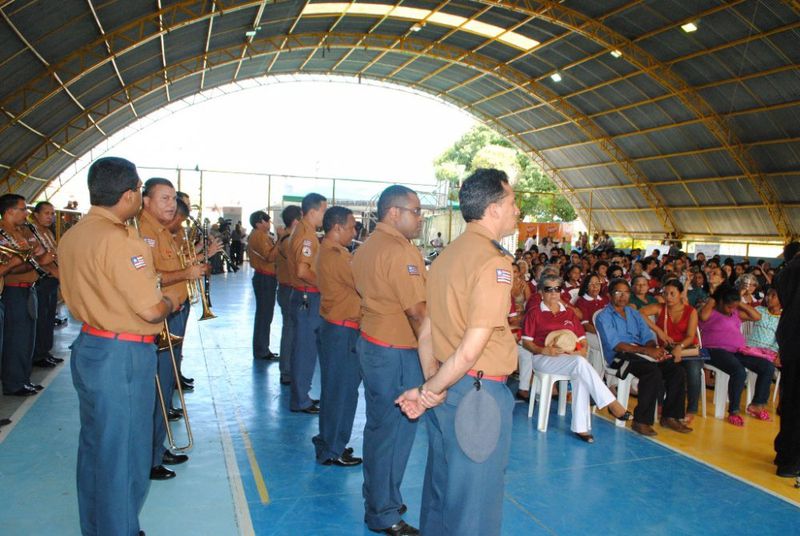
(149, 241)
(503, 276)
(412, 269)
(138, 262)
(306, 248)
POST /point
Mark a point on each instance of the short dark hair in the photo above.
(390, 196)
(153, 182)
(334, 216)
(479, 190)
(790, 250)
(290, 214)
(585, 283)
(109, 178)
(311, 202)
(614, 283)
(257, 217)
(9, 201)
(181, 207)
(674, 282)
(40, 205)
(181, 194)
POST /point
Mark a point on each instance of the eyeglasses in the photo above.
(551, 289)
(416, 211)
(621, 292)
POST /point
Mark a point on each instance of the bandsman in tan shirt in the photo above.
(262, 251)
(110, 285)
(302, 264)
(390, 277)
(291, 218)
(44, 214)
(7, 263)
(340, 309)
(468, 302)
(19, 297)
(155, 220)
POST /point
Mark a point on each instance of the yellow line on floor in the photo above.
(261, 485)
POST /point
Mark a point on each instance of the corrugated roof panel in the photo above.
(777, 89)
(774, 158)
(603, 176)
(145, 62)
(779, 123)
(787, 186)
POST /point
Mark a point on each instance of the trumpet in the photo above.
(26, 254)
(167, 341)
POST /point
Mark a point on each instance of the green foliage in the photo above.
(483, 147)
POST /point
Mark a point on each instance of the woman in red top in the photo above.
(551, 315)
(675, 326)
(590, 301)
(572, 284)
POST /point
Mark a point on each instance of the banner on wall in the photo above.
(709, 250)
(561, 232)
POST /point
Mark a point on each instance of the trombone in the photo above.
(167, 341)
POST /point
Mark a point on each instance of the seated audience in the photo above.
(551, 357)
(675, 325)
(641, 295)
(721, 327)
(630, 347)
(697, 292)
(762, 334)
(590, 301)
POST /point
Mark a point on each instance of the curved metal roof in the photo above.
(650, 128)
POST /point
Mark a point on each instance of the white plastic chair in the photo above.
(623, 386)
(543, 384)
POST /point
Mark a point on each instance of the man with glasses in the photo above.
(109, 283)
(19, 298)
(630, 347)
(390, 277)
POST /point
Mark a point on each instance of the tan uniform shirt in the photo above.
(23, 239)
(282, 262)
(339, 300)
(303, 247)
(107, 274)
(390, 277)
(259, 250)
(470, 287)
(165, 254)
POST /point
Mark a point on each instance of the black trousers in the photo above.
(47, 298)
(657, 381)
(787, 442)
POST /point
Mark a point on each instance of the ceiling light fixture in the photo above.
(417, 27)
(616, 53)
(250, 33)
(555, 77)
(690, 27)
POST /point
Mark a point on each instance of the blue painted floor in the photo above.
(622, 484)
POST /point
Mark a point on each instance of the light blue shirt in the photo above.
(614, 329)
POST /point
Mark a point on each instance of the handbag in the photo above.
(754, 351)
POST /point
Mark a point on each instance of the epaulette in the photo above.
(501, 249)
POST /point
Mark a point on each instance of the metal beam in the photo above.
(557, 13)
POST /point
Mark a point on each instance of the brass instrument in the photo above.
(203, 229)
(194, 287)
(43, 239)
(26, 254)
(167, 341)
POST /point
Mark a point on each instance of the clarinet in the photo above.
(46, 244)
(27, 258)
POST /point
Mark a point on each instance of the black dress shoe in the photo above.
(35, 386)
(55, 359)
(187, 386)
(159, 472)
(173, 459)
(401, 528)
(311, 410)
(184, 379)
(315, 401)
(403, 509)
(286, 382)
(4, 422)
(788, 471)
(24, 391)
(345, 460)
(44, 363)
(174, 414)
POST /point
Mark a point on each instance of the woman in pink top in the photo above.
(720, 324)
(675, 326)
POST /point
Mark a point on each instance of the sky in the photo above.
(317, 128)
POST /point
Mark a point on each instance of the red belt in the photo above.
(20, 285)
(344, 323)
(264, 272)
(130, 337)
(474, 374)
(378, 342)
(313, 290)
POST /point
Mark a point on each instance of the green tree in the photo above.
(483, 147)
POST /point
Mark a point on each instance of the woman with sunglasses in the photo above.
(552, 315)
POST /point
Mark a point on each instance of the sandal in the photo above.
(586, 437)
(760, 414)
(735, 419)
